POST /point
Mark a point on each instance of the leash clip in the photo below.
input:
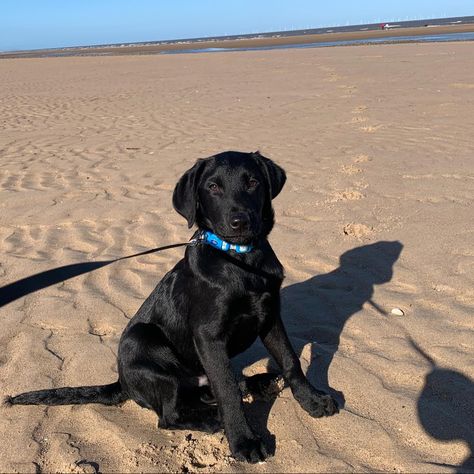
(200, 237)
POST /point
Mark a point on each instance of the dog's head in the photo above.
(230, 194)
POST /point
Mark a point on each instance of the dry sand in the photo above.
(377, 214)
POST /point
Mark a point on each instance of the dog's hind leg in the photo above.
(150, 369)
(156, 379)
(177, 407)
(153, 389)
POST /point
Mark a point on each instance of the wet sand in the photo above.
(242, 43)
(376, 215)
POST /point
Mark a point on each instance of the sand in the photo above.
(376, 215)
(252, 42)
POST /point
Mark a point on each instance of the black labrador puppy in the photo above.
(210, 307)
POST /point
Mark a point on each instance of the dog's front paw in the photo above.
(319, 404)
(248, 448)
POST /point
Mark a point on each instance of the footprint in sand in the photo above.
(333, 77)
(359, 116)
(101, 329)
(345, 86)
(359, 109)
(350, 169)
(347, 195)
(194, 453)
(361, 159)
(359, 231)
(350, 91)
(358, 119)
(370, 128)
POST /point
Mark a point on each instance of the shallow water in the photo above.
(469, 36)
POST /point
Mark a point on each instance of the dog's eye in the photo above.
(213, 187)
(253, 183)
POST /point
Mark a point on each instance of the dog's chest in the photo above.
(246, 316)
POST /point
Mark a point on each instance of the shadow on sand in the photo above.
(25, 286)
(316, 310)
(446, 408)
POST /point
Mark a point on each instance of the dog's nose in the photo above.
(239, 221)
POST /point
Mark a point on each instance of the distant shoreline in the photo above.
(259, 41)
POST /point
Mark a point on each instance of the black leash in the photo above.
(25, 286)
(157, 249)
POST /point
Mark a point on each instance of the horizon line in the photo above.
(232, 36)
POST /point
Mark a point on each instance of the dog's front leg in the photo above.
(244, 444)
(315, 402)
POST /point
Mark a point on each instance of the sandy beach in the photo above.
(377, 215)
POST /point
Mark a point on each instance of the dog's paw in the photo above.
(167, 423)
(265, 387)
(248, 448)
(205, 419)
(319, 404)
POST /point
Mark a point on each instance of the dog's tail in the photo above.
(111, 394)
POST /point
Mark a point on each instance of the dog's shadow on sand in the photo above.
(315, 311)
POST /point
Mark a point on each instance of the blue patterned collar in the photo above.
(215, 241)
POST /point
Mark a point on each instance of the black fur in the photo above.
(106, 394)
(210, 307)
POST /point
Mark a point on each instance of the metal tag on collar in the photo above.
(200, 237)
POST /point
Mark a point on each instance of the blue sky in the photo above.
(31, 24)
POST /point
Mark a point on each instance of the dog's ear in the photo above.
(185, 195)
(275, 175)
